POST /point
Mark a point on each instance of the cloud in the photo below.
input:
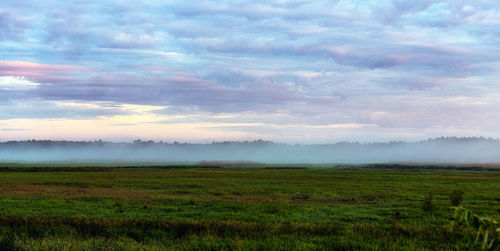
(11, 27)
(22, 66)
(38, 109)
(13, 83)
(42, 73)
(404, 66)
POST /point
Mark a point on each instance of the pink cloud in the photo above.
(40, 72)
(22, 65)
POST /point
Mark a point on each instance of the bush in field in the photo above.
(428, 203)
(456, 197)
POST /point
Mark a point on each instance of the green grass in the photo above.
(237, 208)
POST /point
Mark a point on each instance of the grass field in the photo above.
(105, 208)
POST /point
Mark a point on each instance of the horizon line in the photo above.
(252, 141)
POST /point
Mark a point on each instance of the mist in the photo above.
(440, 150)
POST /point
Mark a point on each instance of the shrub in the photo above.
(456, 197)
(428, 203)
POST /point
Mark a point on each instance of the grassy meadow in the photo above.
(238, 208)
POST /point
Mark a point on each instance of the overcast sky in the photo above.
(287, 71)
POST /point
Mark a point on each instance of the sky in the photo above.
(286, 71)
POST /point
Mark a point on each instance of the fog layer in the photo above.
(441, 150)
